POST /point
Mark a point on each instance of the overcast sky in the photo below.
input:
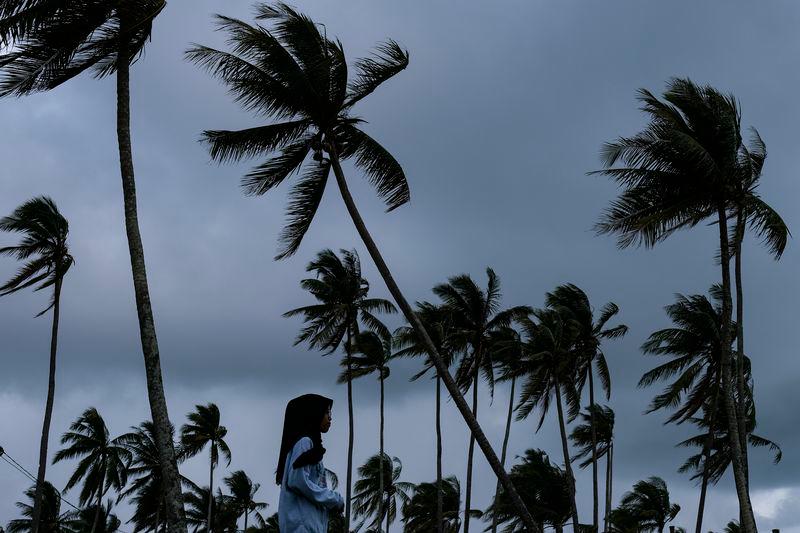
(499, 116)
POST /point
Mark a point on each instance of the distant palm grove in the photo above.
(692, 164)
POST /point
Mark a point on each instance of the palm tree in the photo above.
(342, 293)
(438, 322)
(243, 492)
(682, 169)
(693, 344)
(293, 73)
(476, 314)
(571, 298)
(47, 43)
(623, 520)
(594, 438)
(83, 521)
(47, 259)
(733, 527)
(103, 463)
(204, 429)
(546, 490)
(373, 355)
(198, 501)
(370, 501)
(51, 519)
(421, 512)
(270, 525)
(649, 503)
(549, 371)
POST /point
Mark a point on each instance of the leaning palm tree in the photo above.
(373, 353)
(369, 501)
(51, 518)
(44, 44)
(294, 74)
(649, 503)
(421, 512)
(204, 429)
(243, 493)
(343, 304)
(103, 461)
(682, 169)
(591, 357)
(47, 259)
(546, 491)
(594, 438)
(439, 324)
(476, 314)
(549, 370)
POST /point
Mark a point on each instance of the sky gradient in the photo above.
(497, 120)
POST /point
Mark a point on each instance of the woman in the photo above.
(305, 498)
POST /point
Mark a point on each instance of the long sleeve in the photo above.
(299, 480)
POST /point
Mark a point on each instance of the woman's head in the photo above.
(306, 416)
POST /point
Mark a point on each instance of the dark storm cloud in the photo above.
(499, 117)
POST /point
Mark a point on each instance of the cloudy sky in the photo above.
(498, 118)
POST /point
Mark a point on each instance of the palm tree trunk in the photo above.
(97, 509)
(567, 462)
(739, 474)
(740, 382)
(210, 487)
(48, 409)
(595, 495)
(415, 322)
(380, 471)
(470, 454)
(609, 481)
(439, 495)
(176, 521)
(706, 450)
(158, 511)
(348, 351)
(505, 447)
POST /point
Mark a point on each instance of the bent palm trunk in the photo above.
(567, 462)
(48, 410)
(505, 447)
(415, 322)
(176, 521)
(739, 474)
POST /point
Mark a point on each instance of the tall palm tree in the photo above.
(549, 371)
(204, 429)
(591, 357)
(47, 259)
(421, 512)
(343, 300)
(198, 501)
(373, 353)
(369, 501)
(294, 74)
(649, 503)
(438, 322)
(594, 438)
(51, 518)
(546, 490)
(269, 525)
(243, 493)
(693, 344)
(47, 43)
(476, 314)
(682, 169)
(83, 521)
(103, 461)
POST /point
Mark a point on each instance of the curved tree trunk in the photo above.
(349, 488)
(706, 450)
(567, 461)
(739, 474)
(415, 322)
(439, 495)
(609, 481)
(471, 453)
(505, 447)
(48, 408)
(595, 495)
(380, 470)
(741, 405)
(210, 488)
(176, 520)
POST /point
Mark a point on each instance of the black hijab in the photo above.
(303, 418)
